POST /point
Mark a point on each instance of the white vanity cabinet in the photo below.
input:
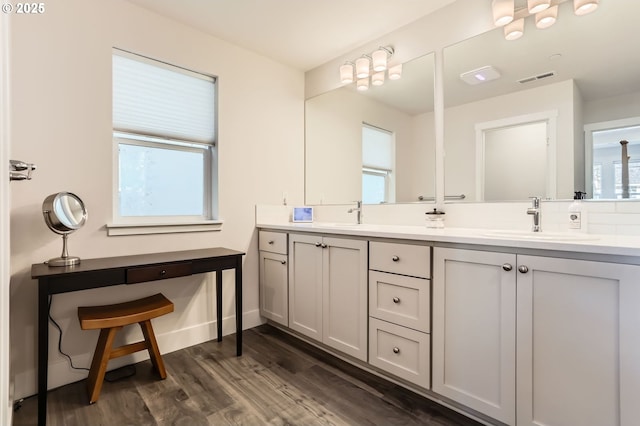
(274, 283)
(328, 291)
(474, 330)
(399, 310)
(563, 335)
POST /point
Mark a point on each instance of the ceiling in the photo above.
(301, 33)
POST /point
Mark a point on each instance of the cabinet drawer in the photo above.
(400, 351)
(405, 259)
(400, 300)
(274, 242)
(158, 272)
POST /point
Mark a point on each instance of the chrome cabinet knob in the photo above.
(323, 245)
(396, 300)
(507, 267)
(396, 350)
(284, 262)
(523, 269)
(270, 242)
(317, 244)
(395, 258)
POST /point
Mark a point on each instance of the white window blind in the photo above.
(158, 99)
(377, 148)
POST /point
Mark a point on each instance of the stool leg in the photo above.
(152, 347)
(100, 361)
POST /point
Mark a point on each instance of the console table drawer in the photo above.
(158, 272)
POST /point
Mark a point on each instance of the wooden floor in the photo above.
(279, 380)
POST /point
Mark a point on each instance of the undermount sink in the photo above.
(544, 236)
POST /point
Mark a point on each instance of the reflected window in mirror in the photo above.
(377, 165)
(334, 142)
(610, 147)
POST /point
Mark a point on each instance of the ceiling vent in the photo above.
(537, 77)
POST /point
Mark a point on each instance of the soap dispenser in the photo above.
(576, 219)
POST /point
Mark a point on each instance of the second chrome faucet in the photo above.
(537, 214)
(358, 210)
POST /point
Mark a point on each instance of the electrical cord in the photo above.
(115, 374)
(60, 338)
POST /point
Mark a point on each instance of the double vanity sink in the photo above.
(411, 303)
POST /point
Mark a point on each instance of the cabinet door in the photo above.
(474, 300)
(274, 292)
(578, 343)
(305, 285)
(345, 296)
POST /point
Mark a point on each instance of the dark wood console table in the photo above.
(109, 271)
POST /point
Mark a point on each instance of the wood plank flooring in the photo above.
(279, 380)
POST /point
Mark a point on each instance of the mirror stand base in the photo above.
(63, 261)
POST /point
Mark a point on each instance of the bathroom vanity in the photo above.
(508, 327)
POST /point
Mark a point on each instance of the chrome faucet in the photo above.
(358, 210)
(537, 214)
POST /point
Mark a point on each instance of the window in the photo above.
(164, 137)
(377, 165)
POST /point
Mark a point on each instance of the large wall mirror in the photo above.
(564, 94)
(377, 146)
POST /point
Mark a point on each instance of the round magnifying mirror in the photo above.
(64, 212)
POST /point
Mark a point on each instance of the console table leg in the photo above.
(238, 272)
(43, 350)
(219, 304)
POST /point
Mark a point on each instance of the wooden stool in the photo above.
(111, 318)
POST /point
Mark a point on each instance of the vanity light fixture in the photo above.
(362, 67)
(346, 73)
(536, 6)
(503, 11)
(514, 30)
(370, 69)
(547, 17)
(582, 7)
(545, 11)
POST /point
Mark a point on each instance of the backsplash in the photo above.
(599, 217)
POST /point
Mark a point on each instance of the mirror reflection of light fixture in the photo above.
(395, 72)
(346, 73)
(362, 84)
(547, 17)
(64, 213)
(514, 30)
(536, 6)
(370, 67)
(582, 7)
(503, 11)
(377, 79)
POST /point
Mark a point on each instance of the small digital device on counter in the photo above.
(302, 214)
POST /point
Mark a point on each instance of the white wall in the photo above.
(61, 120)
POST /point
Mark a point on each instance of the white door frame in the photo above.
(6, 404)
